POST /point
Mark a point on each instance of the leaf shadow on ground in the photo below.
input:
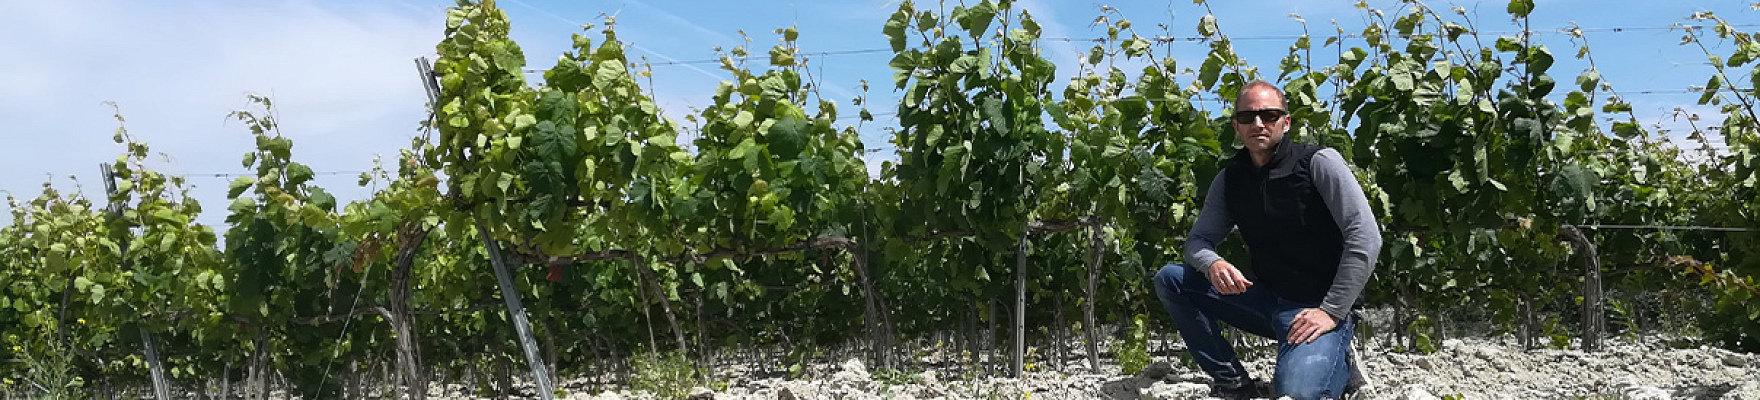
(1717, 391)
(1126, 388)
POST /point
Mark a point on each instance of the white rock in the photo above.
(1735, 360)
(1488, 353)
(1415, 392)
(1502, 365)
(1428, 363)
(927, 378)
(701, 393)
(929, 392)
(853, 371)
(1632, 391)
(585, 396)
(1182, 390)
(1193, 377)
(1747, 391)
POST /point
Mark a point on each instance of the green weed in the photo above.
(1133, 354)
(667, 376)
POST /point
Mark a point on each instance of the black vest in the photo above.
(1290, 232)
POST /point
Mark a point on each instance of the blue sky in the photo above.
(342, 74)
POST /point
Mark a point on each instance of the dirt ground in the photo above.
(1488, 368)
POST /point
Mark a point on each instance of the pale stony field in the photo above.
(1470, 369)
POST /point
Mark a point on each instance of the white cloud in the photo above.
(1678, 126)
(342, 78)
(1063, 53)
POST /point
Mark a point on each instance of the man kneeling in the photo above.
(1313, 241)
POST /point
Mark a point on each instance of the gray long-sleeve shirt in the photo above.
(1350, 209)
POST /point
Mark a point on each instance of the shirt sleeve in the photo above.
(1342, 194)
(1213, 224)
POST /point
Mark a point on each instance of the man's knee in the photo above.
(1309, 392)
(1171, 278)
(1306, 389)
(1311, 376)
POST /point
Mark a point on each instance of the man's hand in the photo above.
(1227, 279)
(1309, 325)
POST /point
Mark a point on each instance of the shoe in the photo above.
(1359, 378)
(1251, 389)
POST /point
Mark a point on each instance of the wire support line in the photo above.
(1666, 228)
(1694, 90)
(718, 60)
(876, 115)
(240, 174)
(1564, 31)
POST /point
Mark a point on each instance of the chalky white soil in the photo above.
(1472, 368)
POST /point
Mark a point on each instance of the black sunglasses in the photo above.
(1269, 115)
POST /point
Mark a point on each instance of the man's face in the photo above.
(1264, 117)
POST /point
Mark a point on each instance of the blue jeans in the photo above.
(1311, 370)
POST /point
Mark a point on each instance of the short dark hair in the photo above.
(1260, 84)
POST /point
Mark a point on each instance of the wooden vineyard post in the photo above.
(1528, 331)
(517, 312)
(991, 351)
(653, 284)
(161, 389)
(879, 327)
(258, 374)
(1059, 326)
(226, 380)
(1020, 306)
(1090, 329)
(1592, 310)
